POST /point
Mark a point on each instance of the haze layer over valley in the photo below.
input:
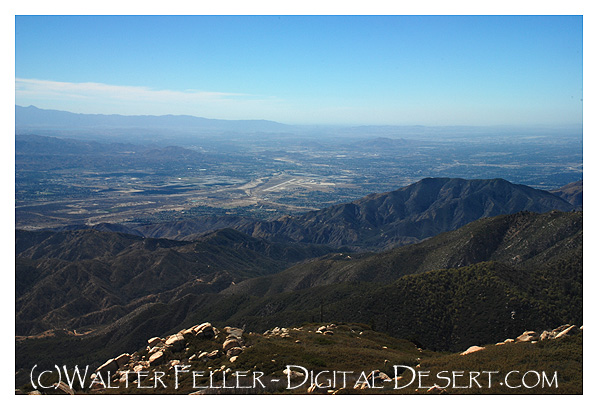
(115, 169)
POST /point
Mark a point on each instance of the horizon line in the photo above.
(312, 124)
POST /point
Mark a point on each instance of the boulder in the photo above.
(235, 351)
(109, 366)
(231, 342)
(124, 378)
(233, 332)
(157, 358)
(153, 341)
(292, 374)
(547, 335)
(528, 336)
(509, 340)
(212, 355)
(472, 349)
(561, 328)
(154, 350)
(204, 330)
(188, 333)
(378, 375)
(362, 386)
(328, 332)
(122, 359)
(175, 342)
(571, 330)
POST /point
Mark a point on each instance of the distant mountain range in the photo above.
(31, 118)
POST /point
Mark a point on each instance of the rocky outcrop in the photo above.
(326, 329)
(534, 337)
(194, 346)
(159, 352)
(280, 332)
(527, 336)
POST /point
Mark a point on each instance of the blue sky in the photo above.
(427, 70)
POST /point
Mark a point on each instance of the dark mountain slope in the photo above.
(191, 229)
(444, 309)
(90, 278)
(572, 193)
(408, 215)
(472, 302)
(524, 239)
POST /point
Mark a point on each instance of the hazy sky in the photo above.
(427, 70)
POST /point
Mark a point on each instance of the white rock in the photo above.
(528, 336)
(568, 331)
(472, 349)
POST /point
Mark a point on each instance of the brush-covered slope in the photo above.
(525, 240)
(445, 293)
(90, 278)
(572, 193)
(478, 285)
(467, 287)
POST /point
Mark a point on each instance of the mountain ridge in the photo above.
(34, 117)
(378, 221)
(409, 214)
